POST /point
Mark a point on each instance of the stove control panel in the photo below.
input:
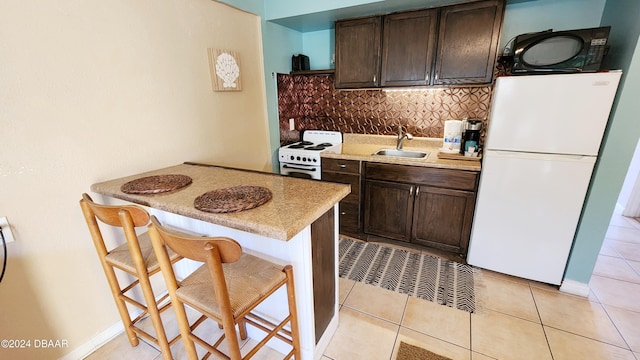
(292, 158)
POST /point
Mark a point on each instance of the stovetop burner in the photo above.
(300, 145)
(318, 147)
(308, 145)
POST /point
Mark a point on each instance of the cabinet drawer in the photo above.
(353, 180)
(349, 215)
(444, 178)
(342, 166)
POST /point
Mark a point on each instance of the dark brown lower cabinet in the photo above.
(442, 218)
(393, 222)
(402, 203)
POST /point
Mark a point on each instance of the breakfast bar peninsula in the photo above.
(296, 224)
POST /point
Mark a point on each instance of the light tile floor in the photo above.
(516, 319)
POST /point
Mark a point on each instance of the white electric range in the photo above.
(302, 159)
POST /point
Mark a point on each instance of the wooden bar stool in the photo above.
(227, 288)
(135, 257)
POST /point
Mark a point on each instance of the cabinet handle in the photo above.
(417, 190)
(343, 213)
(411, 191)
(374, 78)
(342, 166)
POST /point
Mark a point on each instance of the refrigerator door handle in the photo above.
(540, 156)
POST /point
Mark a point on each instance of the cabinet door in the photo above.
(349, 217)
(408, 48)
(358, 45)
(388, 209)
(468, 42)
(442, 218)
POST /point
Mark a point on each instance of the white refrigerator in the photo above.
(542, 142)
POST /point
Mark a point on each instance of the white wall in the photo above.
(92, 90)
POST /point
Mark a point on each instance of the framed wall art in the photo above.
(224, 67)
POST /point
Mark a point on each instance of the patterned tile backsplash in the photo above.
(315, 104)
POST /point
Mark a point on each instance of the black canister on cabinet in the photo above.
(470, 135)
(300, 63)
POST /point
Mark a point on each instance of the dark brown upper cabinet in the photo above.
(358, 52)
(468, 43)
(450, 45)
(409, 44)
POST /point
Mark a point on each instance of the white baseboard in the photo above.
(575, 288)
(103, 337)
(94, 343)
(323, 343)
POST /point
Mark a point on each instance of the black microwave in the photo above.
(568, 51)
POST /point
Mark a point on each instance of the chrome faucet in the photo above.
(401, 137)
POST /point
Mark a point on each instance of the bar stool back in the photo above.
(226, 289)
(136, 258)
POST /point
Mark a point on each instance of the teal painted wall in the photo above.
(279, 43)
(541, 15)
(624, 18)
(619, 143)
(319, 46)
(287, 8)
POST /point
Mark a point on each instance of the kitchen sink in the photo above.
(402, 153)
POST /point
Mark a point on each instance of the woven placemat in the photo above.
(156, 184)
(232, 199)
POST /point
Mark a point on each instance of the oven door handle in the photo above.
(297, 168)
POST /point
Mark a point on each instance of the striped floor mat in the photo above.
(430, 278)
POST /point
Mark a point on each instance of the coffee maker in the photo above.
(470, 135)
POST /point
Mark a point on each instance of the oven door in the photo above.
(300, 171)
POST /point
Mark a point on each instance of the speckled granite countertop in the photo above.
(295, 204)
(361, 147)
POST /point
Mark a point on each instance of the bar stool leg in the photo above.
(152, 308)
(295, 334)
(120, 304)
